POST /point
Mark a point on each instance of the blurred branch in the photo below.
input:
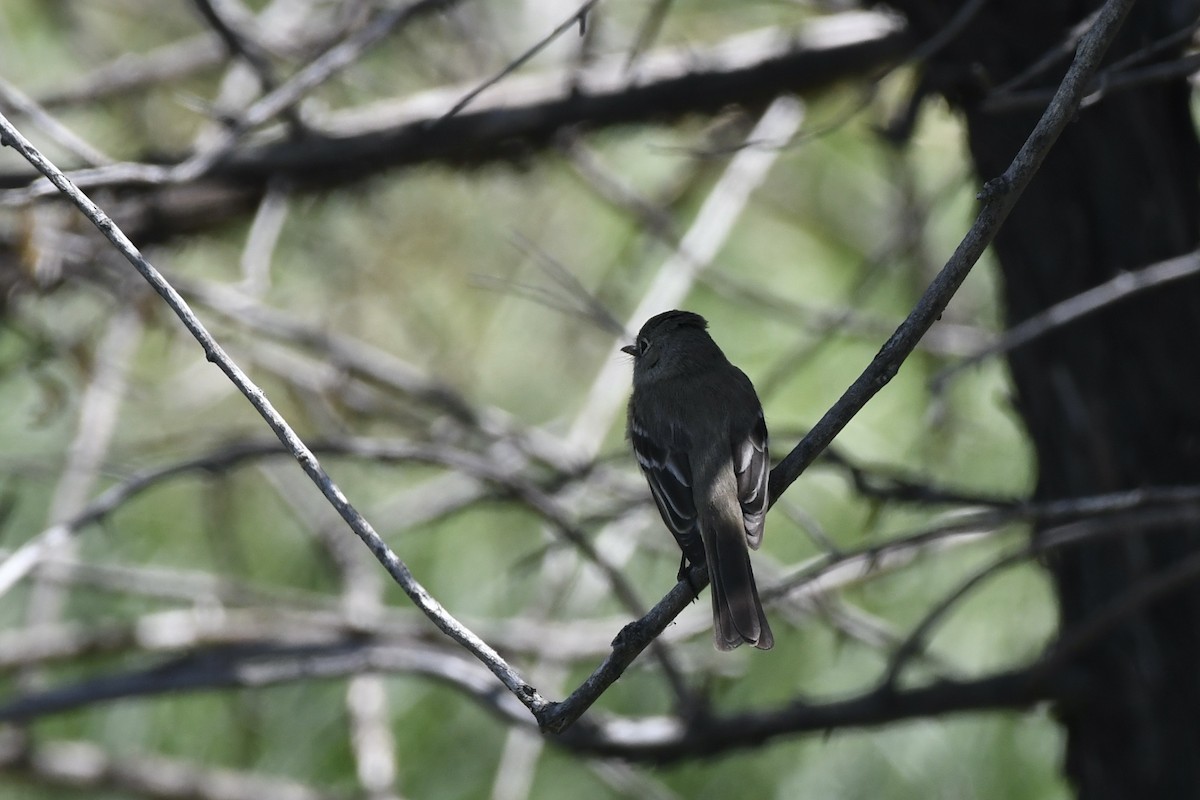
(523, 115)
(1152, 589)
(61, 765)
(1058, 52)
(916, 641)
(99, 409)
(376, 366)
(264, 233)
(944, 339)
(221, 18)
(641, 739)
(352, 355)
(567, 294)
(256, 615)
(854, 623)
(13, 101)
(647, 32)
(225, 458)
(667, 739)
(1048, 678)
(129, 72)
(265, 662)
(316, 611)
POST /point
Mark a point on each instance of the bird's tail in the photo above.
(737, 612)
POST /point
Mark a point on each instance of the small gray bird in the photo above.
(698, 432)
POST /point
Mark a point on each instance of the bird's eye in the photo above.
(642, 345)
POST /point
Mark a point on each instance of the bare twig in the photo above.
(1104, 85)
(567, 295)
(917, 639)
(577, 18)
(1060, 51)
(953, 27)
(1114, 290)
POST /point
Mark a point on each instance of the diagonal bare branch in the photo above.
(399, 571)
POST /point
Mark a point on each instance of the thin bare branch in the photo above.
(1115, 290)
(578, 18)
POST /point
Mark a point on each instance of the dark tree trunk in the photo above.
(1111, 402)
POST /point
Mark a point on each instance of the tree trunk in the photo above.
(1111, 402)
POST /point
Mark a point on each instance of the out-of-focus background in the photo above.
(438, 311)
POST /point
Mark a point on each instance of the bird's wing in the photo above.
(752, 466)
(670, 477)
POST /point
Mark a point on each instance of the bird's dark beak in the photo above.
(629, 348)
